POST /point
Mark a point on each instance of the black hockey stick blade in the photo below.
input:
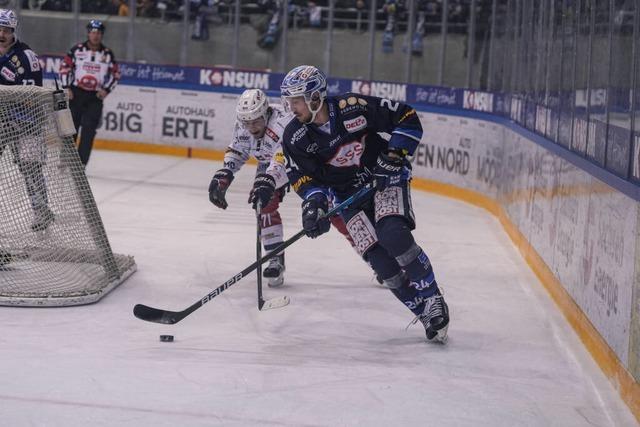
(155, 315)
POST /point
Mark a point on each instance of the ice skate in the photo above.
(435, 318)
(5, 258)
(275, 271)
(42, 219)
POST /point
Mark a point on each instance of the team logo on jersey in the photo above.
(312, 148)
(356, 124)
(8, 74)
(348, 155)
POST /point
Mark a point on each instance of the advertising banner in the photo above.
(168, 117)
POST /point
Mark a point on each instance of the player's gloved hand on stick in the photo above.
(218, 187)
(388, 169)
(313, 220)
(263, 188)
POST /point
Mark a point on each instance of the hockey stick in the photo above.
(157, 315)
(273, 302)
(259, 254)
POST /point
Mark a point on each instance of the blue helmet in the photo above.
(8, 19)
(304, 80)
(307, 81)
(95, 24)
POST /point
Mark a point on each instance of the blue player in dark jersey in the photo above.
(19, 65)
(332, 147)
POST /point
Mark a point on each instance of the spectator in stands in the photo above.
(271, 30)
(147, 9)
(200, 9)
(122, 7)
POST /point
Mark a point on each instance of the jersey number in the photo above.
(393, 106)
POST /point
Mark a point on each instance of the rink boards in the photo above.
(577, 233)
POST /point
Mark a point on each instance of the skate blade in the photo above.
(441, 336)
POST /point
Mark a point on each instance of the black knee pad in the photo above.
(394, 235)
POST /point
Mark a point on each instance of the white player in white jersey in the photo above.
(256, 134)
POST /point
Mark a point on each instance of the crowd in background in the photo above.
(308, 10)
(310, 13)
(391, 16)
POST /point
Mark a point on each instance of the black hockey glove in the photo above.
(263, 188)
(218, 187)
(313, 220)
(388, 169)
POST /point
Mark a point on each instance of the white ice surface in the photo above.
(338, 355)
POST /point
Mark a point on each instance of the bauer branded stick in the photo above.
(157, 315)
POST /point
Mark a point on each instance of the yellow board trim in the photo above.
(604, 356)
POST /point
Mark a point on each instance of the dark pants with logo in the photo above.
(86, 110)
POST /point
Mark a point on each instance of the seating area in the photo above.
(304, 13)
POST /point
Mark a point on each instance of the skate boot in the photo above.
(5, 258)
(43, 217)
(435, 318)
(275, 271)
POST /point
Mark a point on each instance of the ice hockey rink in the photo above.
(338, 355)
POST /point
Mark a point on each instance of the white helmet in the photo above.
(8, 18)
(252, 104)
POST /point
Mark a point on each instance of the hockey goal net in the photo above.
(53, 247)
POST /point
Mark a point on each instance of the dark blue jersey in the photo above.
(20, 66)
(341, 160)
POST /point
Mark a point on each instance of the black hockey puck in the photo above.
(166, 338)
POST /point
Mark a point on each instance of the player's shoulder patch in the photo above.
(351, 104)
(34, 62)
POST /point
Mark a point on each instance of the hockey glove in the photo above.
(263, 188)
(313, 220)
(388, 169)
(218, 187)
